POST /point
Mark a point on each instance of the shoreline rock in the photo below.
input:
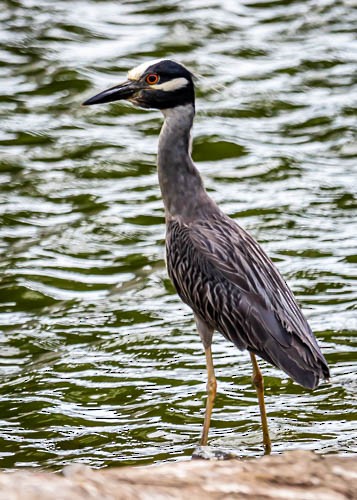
(295, 475)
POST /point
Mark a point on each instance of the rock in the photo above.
(296, 475)
(213, 453)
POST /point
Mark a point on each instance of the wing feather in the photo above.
(225, 276)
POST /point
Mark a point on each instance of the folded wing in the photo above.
(224, 275)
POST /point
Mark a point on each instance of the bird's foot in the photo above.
(212, 453)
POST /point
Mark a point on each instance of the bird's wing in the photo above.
(232, 251)
(227, 278)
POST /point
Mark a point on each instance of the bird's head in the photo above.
(158, 84)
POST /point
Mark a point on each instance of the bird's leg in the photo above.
(206, 333)
(259, 386)
(211, 395)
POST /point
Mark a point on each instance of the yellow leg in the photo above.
(211, 395)
(259, 386)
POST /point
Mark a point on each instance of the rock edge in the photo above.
(296, 475)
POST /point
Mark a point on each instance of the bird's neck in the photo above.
(180, 182)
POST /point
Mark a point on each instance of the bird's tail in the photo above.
(303, 363)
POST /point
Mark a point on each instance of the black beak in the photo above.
(122, 91)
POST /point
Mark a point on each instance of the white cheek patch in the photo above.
(171, 85)
(136, 73)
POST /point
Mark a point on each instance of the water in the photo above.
(100, 361)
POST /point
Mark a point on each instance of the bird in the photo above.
(217, 268)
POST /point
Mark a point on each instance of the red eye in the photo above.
(152, 79)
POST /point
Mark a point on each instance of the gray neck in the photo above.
(180, 182)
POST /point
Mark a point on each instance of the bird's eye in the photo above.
(152, 79)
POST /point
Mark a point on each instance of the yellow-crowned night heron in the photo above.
(217, 268)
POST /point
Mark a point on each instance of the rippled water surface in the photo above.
(100, 362)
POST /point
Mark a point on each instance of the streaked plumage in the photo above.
(217, 268)
(231, 284)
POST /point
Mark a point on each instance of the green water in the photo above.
(100, 361)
